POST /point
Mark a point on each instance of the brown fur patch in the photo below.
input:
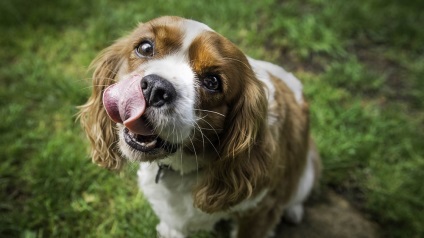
(293, 136)
(212, 54)
(240, 165)
(290, 135)
(165, 33)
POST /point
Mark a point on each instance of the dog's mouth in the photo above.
(151, 144)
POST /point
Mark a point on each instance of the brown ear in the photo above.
(93, 117)
(243, 162)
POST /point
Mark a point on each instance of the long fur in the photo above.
(243, 164)
(99, 129)
(262, 164)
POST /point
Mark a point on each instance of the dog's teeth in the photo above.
(149, 144)
(152, 143)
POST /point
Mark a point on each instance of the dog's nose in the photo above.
(157, 90)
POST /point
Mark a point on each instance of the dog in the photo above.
(218, 135)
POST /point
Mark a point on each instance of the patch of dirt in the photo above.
(330, 216)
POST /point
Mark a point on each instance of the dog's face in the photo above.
(178, 86)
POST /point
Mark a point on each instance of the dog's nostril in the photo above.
(160, 97)
(157, 91)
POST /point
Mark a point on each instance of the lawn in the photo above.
(362, 64)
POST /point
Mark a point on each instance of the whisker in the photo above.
(195, 156)
(210, 142)
(220, 114)
(181, 159)
(209, 129)
(212, 128)
(201, 133)
(213, 146)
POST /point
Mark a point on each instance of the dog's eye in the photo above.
(212, 82)
(145, 49)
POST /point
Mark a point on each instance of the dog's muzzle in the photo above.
(126, 101)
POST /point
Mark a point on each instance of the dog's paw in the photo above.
(164, 231)
(294, 214)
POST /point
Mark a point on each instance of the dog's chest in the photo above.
(171, 198)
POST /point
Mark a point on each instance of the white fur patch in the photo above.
(294, 210)
(171, 199)
(262, 69)
(192, 30)
(306, 181)
(175, 127)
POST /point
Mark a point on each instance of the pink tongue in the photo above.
(124, 103)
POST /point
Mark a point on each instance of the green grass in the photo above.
(362, 63)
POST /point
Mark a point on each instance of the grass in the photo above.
(362, 64)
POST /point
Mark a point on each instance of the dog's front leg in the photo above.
(164, 231)
(260, 224)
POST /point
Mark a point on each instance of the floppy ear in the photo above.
(93, 117)
(243, 162)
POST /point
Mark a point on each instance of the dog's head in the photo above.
(176, 85)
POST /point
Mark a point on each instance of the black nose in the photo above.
(157, 90)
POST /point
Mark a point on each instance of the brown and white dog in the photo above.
(219, 135)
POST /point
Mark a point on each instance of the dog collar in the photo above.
(161, 171)
(166, 168)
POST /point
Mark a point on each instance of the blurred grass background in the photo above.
(362, 64)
